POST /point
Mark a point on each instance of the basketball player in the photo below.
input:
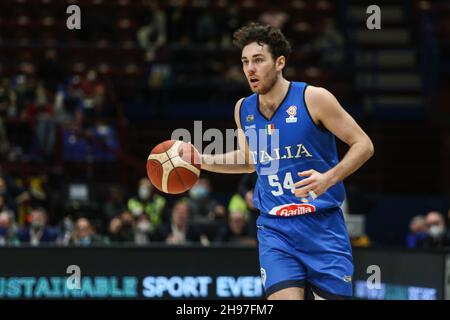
(302, 236)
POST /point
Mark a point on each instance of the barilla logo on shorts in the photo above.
(294, 210)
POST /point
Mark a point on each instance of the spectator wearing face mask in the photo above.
(38, 231)
(84, 234)
(148, 202)
(417, 232)
(7, 229)
(437, 231)
(203, 208)
(207, 214)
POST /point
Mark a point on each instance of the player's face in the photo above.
(259, 67)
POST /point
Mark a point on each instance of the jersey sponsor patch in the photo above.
(292, 209)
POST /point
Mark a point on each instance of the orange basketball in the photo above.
(173, 166)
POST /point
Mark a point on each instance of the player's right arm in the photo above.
(238, 161)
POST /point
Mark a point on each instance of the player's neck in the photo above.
(274, 96)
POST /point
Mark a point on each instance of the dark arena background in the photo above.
(89, 87)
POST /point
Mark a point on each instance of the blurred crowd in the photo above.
(168, 33)
(58, 106)
(429, 231)
(39, 210)
(63, 105)
(183, 23)
(144, 217)
(40, 114)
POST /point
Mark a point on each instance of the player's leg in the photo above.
(282, 276)
(293, 293)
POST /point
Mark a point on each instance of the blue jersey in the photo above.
(284, 145)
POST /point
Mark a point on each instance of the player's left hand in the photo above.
(313, 181)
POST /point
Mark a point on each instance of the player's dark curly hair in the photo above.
(263, 34)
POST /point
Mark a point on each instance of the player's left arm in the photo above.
(325, 109)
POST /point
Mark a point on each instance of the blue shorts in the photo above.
(310, 250)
